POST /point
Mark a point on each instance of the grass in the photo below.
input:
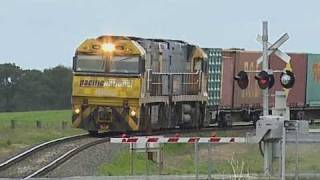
(179, 159)
(48, 116)
(121, 165)
(25, 133)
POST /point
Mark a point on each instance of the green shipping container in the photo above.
(313, 80)
(214, 75)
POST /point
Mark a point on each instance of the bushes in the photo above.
(26, 90)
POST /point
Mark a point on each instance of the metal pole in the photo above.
(265, 65)
(209, 161)
(268, 158)
(159, 159)
(297, 153)
(283, 154)
(131, 159)
(196, 159)
(147, 161)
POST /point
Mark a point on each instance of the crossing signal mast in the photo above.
(265, 80)
(265, 77)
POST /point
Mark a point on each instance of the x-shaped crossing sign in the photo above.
(274, 48)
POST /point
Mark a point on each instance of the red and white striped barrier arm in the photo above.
(158, 139)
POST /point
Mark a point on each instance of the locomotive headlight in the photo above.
(133, 113)
(108, 47)
(77, 110)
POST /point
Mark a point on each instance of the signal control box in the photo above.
(269, 128)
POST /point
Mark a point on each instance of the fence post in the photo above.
(283, 154)
(296, 174)
(209, 161)
(131, 159)
(39, 125)
(147, 160)
(13, 124)
(196, 158)
(160, 159)
(64, 124)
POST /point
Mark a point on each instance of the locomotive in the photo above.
(136, 84)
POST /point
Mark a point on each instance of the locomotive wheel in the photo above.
(221, 120)
(228, 120)
(245, 116)
(300, 115)
(93, 133)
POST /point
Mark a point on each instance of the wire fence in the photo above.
(209, 161)
(39, 124)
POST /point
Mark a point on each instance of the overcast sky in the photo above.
(44, 33)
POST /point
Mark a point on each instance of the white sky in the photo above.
(44, 33)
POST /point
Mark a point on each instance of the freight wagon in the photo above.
(228, 103)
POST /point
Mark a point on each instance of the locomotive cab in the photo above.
(107, 83)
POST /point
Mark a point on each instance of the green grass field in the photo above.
(48, 116)
(26, 134)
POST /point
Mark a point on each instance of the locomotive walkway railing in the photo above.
(172, 84)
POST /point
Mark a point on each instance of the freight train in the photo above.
(136, 84)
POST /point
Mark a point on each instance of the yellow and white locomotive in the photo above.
(134, 84)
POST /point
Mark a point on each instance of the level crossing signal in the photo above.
(266, 80)
(242, 79)
(287, 79)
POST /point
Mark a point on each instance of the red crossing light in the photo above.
(263, 79)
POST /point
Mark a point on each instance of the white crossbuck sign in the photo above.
(274, 48)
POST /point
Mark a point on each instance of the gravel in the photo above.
(87, 162)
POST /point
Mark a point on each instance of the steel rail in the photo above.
(17, 158)
(57, 162)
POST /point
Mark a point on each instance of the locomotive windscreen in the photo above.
(90, 64)
(117, 64)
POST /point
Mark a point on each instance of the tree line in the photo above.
(27, 90)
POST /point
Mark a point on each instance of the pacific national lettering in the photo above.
(108, 83)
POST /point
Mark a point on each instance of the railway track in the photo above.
(39, 160)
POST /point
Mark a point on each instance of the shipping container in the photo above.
(227, 82)
(296, 95)
(313, 80)
(214, 75)
(251, 96)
